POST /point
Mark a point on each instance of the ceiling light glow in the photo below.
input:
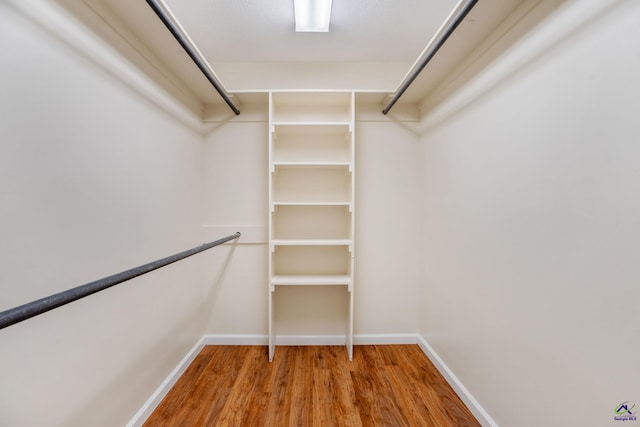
(312, 15)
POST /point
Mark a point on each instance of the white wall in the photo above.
(236, 196)
(530, 214)
(94, 179)
(387, 267)
(387, 229)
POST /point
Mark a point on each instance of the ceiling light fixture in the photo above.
(312, 15)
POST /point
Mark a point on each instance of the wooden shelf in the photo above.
(311, 242)
(311, 164)
(276, 205)
(288, 202)
(306, 280)
(311, 127)
(335, 123)
(302, 203)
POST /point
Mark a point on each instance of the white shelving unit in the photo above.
(311, 195)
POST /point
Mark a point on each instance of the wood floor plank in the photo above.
(339, 392)
(281, 380)
(302, 389)
(242, 390)
(410, 401)
(312, 386)
(259, 398)
(372, 390)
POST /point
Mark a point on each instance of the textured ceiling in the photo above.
(263, 30)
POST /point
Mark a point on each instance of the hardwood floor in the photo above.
(392, 385)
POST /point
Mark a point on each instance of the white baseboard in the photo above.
(478, 411)
(150, 405)
(228, 339)
(384, 339)
(364, 339)
(311, 340)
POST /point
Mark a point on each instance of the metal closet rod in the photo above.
(187, 44)
(34, 308)
(431, 51)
